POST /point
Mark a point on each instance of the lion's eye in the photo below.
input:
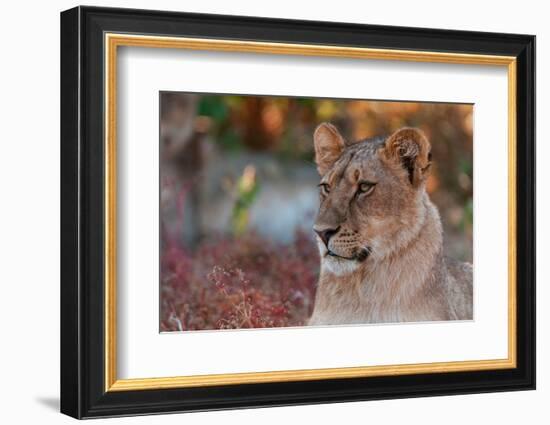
(365, 187)
(325, 188)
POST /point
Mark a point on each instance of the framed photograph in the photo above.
(261, 212)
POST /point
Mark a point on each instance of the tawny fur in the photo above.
(405, 276)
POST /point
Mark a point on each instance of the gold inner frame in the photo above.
(113, 41)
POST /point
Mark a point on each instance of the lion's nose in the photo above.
(326, 234)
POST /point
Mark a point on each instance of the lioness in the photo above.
(380, 236)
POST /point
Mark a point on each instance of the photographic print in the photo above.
(289, 211)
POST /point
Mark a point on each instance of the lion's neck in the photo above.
(389, 288)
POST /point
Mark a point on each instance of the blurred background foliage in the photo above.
(238, 171)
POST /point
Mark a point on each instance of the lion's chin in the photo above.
(339, 266)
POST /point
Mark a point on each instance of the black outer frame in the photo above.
(82, 219)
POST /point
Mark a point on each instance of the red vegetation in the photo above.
(238, 282)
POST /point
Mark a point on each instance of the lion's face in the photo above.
(370, 195)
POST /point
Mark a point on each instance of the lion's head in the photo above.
(371, 195)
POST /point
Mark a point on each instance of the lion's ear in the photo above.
(329, 145)
(410, 147)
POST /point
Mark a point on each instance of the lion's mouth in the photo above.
(360, 255)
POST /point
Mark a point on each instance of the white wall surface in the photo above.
(29, 216)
